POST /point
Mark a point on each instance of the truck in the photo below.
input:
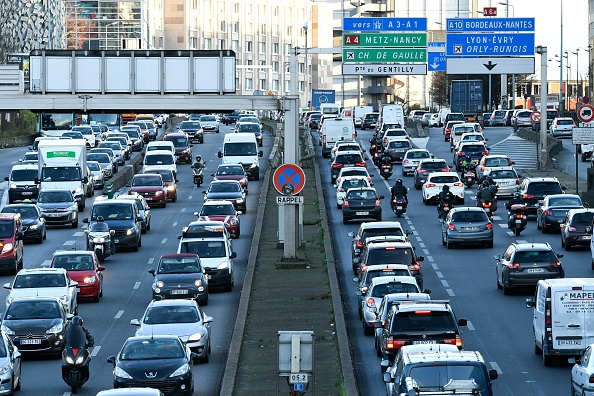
(334, 130)
(360, 112)
(63, 165)
(466, 96)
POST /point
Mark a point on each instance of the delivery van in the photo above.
(392, 114)
(242, 148)
(334, 130)
(563, 320)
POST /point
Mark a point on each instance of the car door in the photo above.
(15, 358)
(579, 372)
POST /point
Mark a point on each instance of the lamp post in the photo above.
(305, 27)
(589, 50)
(513, 86)
(577, 72)
(567, 98)
(561, 96)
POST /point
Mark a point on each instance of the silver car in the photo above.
(10, 361)
(507, 180)
(412, 158)
(180, 317)
(209, 123)
(467, 225)
(97, 174)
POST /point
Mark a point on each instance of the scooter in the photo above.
(399, 205)
(469, 175)
(443, 209)
(75, 366)
(198, 175)
(386, 170)
(99, 240)
(517, 220)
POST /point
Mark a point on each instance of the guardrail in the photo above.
(17, 141)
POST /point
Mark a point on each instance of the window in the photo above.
(301, 86)
(262, 10)
(249, 62)
(194, 42)
(274, 85)
(263, 84)
(287, 86)
(248, 84)
(275, 11)
(262, 47)
(275, 66)
(289, 30)
(248, 28)
(235, 45)
(222, 44)
(207, 43)
(262, 28)
(235, 7)
(248, 46)
(221, 7)
(275, 48)
(262, 63)
(235, 27)
(288, 13)
(287, 49)
(222, 26)
(301, 68)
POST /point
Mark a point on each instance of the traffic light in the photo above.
(309, 104)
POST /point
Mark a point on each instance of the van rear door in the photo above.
(572, 317)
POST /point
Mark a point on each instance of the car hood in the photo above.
(30, 222)
(223, 218)
(190, 129)
(209, 123)
(39, 292)
(31, 326)
(118, 224)
(179, 279)
(80, 276)
(229, 177)
(57, 205)
(146, 188)
(157, 369)
(182, 330)
(224, 195)
(212, 262)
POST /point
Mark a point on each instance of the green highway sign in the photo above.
(379, 55)
(385, 40)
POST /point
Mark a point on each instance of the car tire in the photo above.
(506, 290)
(448, 244)
(367, 330)
(489, 244)
(538, 227)
(567, 247)
(229, 286)
(443, 242)
(39, 241)
(135, 247)
(497, 280)
(96, 298)
(547, 360)
(338, 206)
(174, 198)
(205, 359)
(44, 233)
(344, 220)
(418, 186)
(75, 223)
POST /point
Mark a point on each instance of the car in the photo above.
(144, 210)
(231, 172)
(582, 372)
(159, 159)
(96, 174)
(44, 282)
(10, 362)
(132, 391)
(586, 151)
(397, 149)
(227, 190)
(169, 180)
(105, 150)
(507, 180)
(393, 133)
(354, 171)
(492, 161)
(11, 239)
(553, 209)
(522, 119)
(524, 264)
(425, 119)
(376, 290)
(180, 276)
(427, 166)
(250, 127)
(551, 115)
(144, 129)
(345, 159)
(135, 135)
(497, 118)
(124, 141)
(562, 126)
(576, 228)
(118, 150)
(457, 131)
(507, 117)
(82, 267)
(151, 187)
(467, 225)
(183, 147)
(169, 361)
(314, 120)
(209, 123)
(71, 135)
(362, 203)
(212, 243)
(476, 151)
(104, 162)
(434, 185)
(345, 184)
(123, 217)
(370, 272)
(435, 317)
(221, 211)
(88, 134)
(58, 207)
(36, 325)
(412, 158)
(534, 189)
(33, 224)
(473, 137)
(447, 130)
(345, 145)
(181, 317)
(373, 229)
(484, 120)
(369, 121)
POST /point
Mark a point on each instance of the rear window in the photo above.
(385, 272)
(565, 201)
(399, 144)
(565, 122)
(493, 162)
(544, 188)
(432, 377)
(395, 132)
(506, 174)
(445, 179)
(361, 194)
(348, 159)
(459, 130)
(417, 154)
(390, 256)
(470, 216)
(582, 218)
(534, 257)
(434, 165)
(396, 287)
(381, 232)
(423, 320)
(472, 147)
(524, 114)
(455, 117)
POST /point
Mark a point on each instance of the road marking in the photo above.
(408, 222)
(430, 258)
(183, 210)
(190, 197)
(496, 218)
(136, 286)
(444, 283)
(419, 239)
(69, 243)
(435, 267)
(78, 234)
(496, 367)
(151, 260)
(164, 240)
(66, 394)
(426, 251)
(412, 227)
(522, 241)
(469, 325)
(502, 225)
(119, 315)
(439, 274)
(406, 216)
(450, 292)
(46, 263)
(510, 233)
(96, 349)
(421, 244)
(415, 232)
(174, 224)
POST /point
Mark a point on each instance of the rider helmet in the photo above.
(399, 182)
(77, 320)
(198, 158)
(446, 188)
(468, 158)
(485, 183)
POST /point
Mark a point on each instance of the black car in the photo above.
(369, 121)
(231, 118)
(534, 189)
(576, 228)
(362, 203)
(180, 276)
(251, 128)
(58, 207)
(426, 167)
(123, 217)
(313, 121)
(193, 129)
(475, 150)
(159, 361)
(36, 325)
(227, 190)
(33, 224)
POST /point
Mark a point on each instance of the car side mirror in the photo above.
(427, 291)
(152, 271)
(356, 260)
(530, 302)
(359, 293)
(128, 185)
(36, 180)
(493, 374)
(462, 322)
(497, 257)
(589, 229)
(212, 174)
(135, 322)
(7, 286)
(560, 255)
(381, 197)
(6, 178)
(260, 153)
(111, 360)
(565, 188)
(233, 255)
(351, 234)
(220, 154)
(20, 235)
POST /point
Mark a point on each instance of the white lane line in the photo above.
(119, 315)
(421, 244)
(425, 251)
(445, 283)
(496, 367)
(183, 210)
(96, 349)
(174, 224)
(406, 216)
(69, 243)
(164, 240)
(522, 241)
(66, 394)
(473, 198)
(435, 267)
(510, 233)
(430, 258)
(408, 222)
(502, 225)
(415, 232)
(412, 227)
(439, 274)
(496, 218)
(450, 292)
(151, 260)
(78, 234)
(46, 263)
(136, 286)
(419, 239)
(190, 197)
(470, 326)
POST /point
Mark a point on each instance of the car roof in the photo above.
(38, 271)
(457, 356)
(69, 252)
(380, 224)
(429, 305)
(432, 174)
(394, 244)
(467, 209)
(173, 302)
(428, 347)
(532, 246)
(380, 280)
(379, 267)
(427, 160)
(542, 179)
(348, 152)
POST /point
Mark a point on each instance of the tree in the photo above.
(439, 88)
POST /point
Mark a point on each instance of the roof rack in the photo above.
(453, 387)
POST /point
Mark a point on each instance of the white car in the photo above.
(562, 126)
(345, 145)
(354, 171)
(393, 133)
(209, 123)
(435, 182)
(412, 158)
(434, 120)
(88, 134)
(347, 182)
(44, 282)
(586, 150)
(491, 161)
(582, 371)
(507, 180)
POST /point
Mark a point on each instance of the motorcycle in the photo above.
(517, 220)
(489, 206)
(443, 209)
(469, 175)
(386, 170)
(198, 175)
(75, 362)
(99, 240)
(399, 205)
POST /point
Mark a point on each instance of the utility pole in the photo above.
(543, 107)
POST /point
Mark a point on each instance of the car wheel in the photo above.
(44, 233)
(96, 298)
(489, 244)
(205, 359)
(135, 247)
(229, 285)
(367, 330)
(164, 205)
(506, 290)
(417, 186)
(443, 242)
(547, 360)
(538, 227)
(175, 198)
(345, 221)
(567, 247)
(497, 280)
(75, 223)
(40, 240)
(338, 206)
(448, 244)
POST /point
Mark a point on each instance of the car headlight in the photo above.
(180, 371)
(130, 231)
(5, 369)
(33, 227)
(196, 337)
(7, 247)
(223, 265)
(239, 200)
(234, 221)
(73, 208)
(170, 188)
(90, 279)
(65, 298)
(118, 372)
(56, 329)
(160, 284)
(98, 240)
(13, 185)
(254, 164)
(198, 282)
(7, 330)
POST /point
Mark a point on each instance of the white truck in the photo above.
(63, 165)
(359, 113)
(242, 148)
(334, 130)
(391, 114)
(563, 319)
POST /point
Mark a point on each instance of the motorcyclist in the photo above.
(386, 158)
(198, 170)
(488, 178)
(485, 193)
(516, 200)
(398, 189)
(77, 332)
(101, 226)
(198, 164)
(445, 196)
(467, 161)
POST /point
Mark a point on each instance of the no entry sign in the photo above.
(289, 179)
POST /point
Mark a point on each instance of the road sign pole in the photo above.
(544, 154)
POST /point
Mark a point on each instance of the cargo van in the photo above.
(242, 148)
(334, 130)
(332, 109)
(392, 114)
(359, 113)
(563, 320)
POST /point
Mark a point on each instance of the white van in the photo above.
(442, 115)
(242, 148)
(160, 145)
(392, 114)
(332, 109)
(563, 323)
(334, 130)
(158, 160)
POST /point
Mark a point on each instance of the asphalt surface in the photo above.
(127, 287)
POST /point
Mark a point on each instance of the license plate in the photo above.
(424, 342)
(27, 193)
(386, 170)
(534, 270)
(179, 291)
(361, 213)
(518, 221)
(116, 241)
(569, 342)
(587, 237)
(503, 183)
(471, 228)
(55, 214)
(34, 341)
(398, 207)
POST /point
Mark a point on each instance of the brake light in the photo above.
(363, 268)
(405, 161)
(445, 169)
(346, 204)
(340, 189)
(458, 184)
(452, 227)
(489, 226)
(591, 379)
(424, 312)
(485, 153)
(336, 165)
(482, 167)
(461, 154)
(378, 202)
(390, 248)
(555, 264)
(395, 344)
(549, 213)
(513, 265)
(421, 170)
(428, 185)
(370, 302)
(416, 267)
(454, 341)
(517, 181)
(361, 164)
(525, 196)
(359, 244)
(548, 315)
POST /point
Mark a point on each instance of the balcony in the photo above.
(368, 7)
(379, 90)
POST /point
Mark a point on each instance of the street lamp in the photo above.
(589, 50)
(305, 27)
(561, 96)
(577, 71)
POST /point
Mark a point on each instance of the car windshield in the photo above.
(493, 162)
(132, 133)
(544, 188)
(399, 144)
(98, 157)
(22, 310)
(583, 218)
(189, 125)
(230, 170)
(445, 179)
(379, 291)
(225, 187)
(471, 216)
(178, 141)
(354, 183)
(166, 175)
(432, 377)
(205, 249)
(146, 181)
(55, 196)
(159, 159)
(179, 265)
(208, 118)
(361, 194)
(417, 154)
(57, 174)
(565, 201)
(23, 174)
(112, 212)
(535, 257)
(112, 145)
(120, 140)
(373, 232)
(171, 314)
(390, 256)
(565, 122)
(242, 148)
(249, 128)
(407, 321)
(73, 135)
(154, 348)
(472, 147)
(217, 210)
(94, 166)
(73, 262)
(39, 280)
(27, 212)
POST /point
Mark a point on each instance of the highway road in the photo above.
(499, 327)
(127, 287)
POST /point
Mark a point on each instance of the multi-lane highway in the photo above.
(127, 287)
(499, 327)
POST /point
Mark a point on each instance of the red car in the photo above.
(231, 172)
(183, 147)
(151, 187)
(221, 211)
(169, 180)
(82, 267)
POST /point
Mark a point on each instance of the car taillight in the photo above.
(513, 265)
(363, 268)
(454, 341)
(458, 184)
(555, 264)
(359, 244)
(395, 344)
(405, 161)
(482, 167)
(428, 185)
(416, 267)
(452, 227)
(571, 229)
(485, 153)
(421, 170)
(549, 213)
(336, 165)
(361, 164)
(461, 154)
(517, 181)
(445, 169)
(345, 204)
(548, 315)
(370, 303)
(526, 196)
(340, 189)
(378, 202)
(385, 139)
(489, 226)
